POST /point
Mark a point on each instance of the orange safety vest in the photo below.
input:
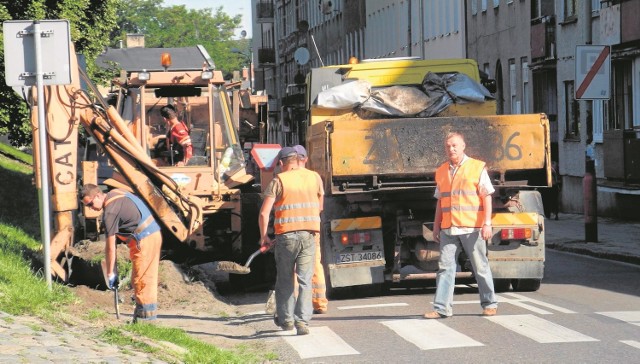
(459, 200)
(298, 208)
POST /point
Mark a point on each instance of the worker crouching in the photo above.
(128, 219)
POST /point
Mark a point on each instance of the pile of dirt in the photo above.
(179, 289)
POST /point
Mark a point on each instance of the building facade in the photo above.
(528, 46)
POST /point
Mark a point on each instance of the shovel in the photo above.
(116, 298)
(235, 268)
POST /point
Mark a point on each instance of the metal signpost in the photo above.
(25, 43)
(593, 80)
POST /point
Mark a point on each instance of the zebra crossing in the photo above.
(436, 334)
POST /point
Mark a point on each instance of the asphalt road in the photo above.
(587, 311)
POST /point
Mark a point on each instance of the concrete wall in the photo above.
(612, 202)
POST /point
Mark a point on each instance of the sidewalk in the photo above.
(617, 240)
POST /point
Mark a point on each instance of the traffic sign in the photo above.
(593, 72)
(265, 155)
(20, 52)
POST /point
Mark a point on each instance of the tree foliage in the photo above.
(177, 26)
(95, 25)
(90, 23)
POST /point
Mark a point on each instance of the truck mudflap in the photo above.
(413, 147)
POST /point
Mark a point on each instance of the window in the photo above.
(595, 7)
(484, 5)
(536, 10)
(496, 3)
(598, 112)
(525, 85)
(474, 7)
(545, 94)
(622, 101)
(512, 86)
(572, 126)
(569, 10)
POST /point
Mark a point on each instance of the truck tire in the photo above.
(501, 285)
(526, 285)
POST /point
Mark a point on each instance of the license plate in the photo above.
(359, 256)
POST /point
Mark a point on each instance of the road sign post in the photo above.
(593, 72)
(25, 42)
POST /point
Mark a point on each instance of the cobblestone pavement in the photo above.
(28, 340)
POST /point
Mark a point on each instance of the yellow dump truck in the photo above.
(378, 167)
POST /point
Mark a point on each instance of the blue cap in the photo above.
(300, 150)
(286, 152)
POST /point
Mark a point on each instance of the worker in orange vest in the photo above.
(462, 221)
(295, 196)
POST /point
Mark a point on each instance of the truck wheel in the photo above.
(526, 285)
(501, 285)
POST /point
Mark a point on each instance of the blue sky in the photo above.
(231, 7)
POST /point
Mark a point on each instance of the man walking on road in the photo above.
(128, 218)
(295, 195)
(318, 285)
(462, 220)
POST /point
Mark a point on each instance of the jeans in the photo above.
(294, 252)
(476, 250)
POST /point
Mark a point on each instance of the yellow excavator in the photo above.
(208, 204)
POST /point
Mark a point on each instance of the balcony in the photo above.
(543, 39)
(266, 57)
(264, 12)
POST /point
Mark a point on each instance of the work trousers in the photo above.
(294, 252)
(476, 249)
(145, 258)
(319, 287)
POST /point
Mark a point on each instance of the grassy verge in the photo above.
(23, 289)
(175, 345)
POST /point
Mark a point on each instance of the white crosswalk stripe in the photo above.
(521, 301)
(321, 341)
(380, 305)
(539, 329)
(435, 334)
(429, 334)
(520, 298)
(632, 317)
(633, 343)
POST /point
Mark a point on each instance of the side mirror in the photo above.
(490, 85)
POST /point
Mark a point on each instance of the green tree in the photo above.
(90, 22)
(177, 26)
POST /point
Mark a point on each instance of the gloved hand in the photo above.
(113, 281)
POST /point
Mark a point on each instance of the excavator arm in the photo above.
(68, 106)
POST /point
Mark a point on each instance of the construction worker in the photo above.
(318, 285)
(295, 195)
(178, 138)
(128, 219)
(462, 221)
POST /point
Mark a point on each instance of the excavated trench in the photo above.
(84, 265)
